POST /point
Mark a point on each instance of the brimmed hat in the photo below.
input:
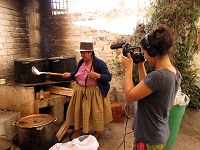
(86, 46)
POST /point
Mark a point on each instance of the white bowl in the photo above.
(2, 81)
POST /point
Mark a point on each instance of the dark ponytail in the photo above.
(160, 39)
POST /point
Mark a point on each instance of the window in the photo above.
(59, 7)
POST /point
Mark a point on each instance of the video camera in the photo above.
(135, 52)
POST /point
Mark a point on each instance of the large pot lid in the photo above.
(35, 120)
(30, 59)
(61, 58)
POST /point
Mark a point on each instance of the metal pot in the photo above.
(61, 65)
(36, 132)
(23, 72)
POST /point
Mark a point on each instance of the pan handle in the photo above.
(55, 120)
(55, 74)
(14, 123)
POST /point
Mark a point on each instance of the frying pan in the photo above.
(37, 72)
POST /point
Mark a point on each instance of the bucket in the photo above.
(175, 117)
(35, 132)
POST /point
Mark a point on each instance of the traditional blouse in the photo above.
(82, 74)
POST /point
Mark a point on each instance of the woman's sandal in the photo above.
(76, 135)
(96, 134)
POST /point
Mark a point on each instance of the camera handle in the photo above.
(125, 49)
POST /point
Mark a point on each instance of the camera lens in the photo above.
(138, 57)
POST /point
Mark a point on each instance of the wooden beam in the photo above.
(61, 132)
(60, 90)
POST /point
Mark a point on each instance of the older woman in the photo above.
(89, 108)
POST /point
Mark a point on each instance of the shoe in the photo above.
(96, 134)
(76, 134)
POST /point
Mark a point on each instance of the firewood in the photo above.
(41, 93)
(61, 132)
(60, 90)
(46, 94)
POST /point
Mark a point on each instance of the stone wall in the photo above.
(34, 28)
(14, 37)
(61, 37)
(197, 57)
(13, 97)
(19, 36)
(28, 29)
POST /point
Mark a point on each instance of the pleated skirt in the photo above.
(89, 111)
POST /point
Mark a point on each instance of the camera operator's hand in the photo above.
(127, 62)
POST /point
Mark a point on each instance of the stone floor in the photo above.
(114, 138)
(188, 137)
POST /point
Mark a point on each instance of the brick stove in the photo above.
(22, 98)
(30, 93)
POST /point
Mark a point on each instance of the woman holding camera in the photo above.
(155, 92)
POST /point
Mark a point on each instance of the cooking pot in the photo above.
(36, 132)
(61, 65)
(23, 73)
